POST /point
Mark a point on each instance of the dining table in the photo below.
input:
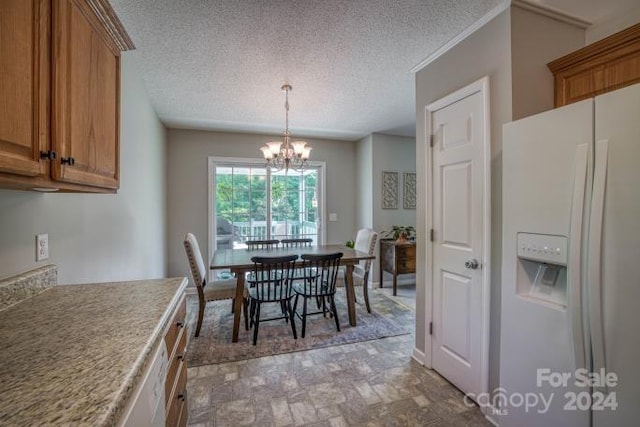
(238, 261)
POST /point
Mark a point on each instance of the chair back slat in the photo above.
(325, 268)
(271, 277)
(253, 245)
(296, 243)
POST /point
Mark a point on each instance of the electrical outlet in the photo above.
(42, 247)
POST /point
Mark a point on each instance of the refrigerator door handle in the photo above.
(575, 254)
(594, 255)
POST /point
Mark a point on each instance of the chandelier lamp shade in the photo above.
(286, 154)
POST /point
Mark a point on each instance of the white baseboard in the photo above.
(490, 412)
(191, 290)
(418, 356)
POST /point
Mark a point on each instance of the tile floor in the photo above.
(373, 383)
(406, 295)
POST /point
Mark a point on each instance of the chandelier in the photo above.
(287, 154)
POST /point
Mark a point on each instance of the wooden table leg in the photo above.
(238, 302)
(395, 283)
(351, 296)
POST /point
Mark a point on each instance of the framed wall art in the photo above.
(389, 190)
(409, 195)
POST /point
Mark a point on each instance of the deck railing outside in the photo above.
(257, 230)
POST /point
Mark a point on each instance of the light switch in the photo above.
(333, 217)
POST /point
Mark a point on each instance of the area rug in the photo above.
(214, 343)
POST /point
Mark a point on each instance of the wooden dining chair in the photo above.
(300, 273)
(253, 245)
(365, 242)
(296, 243)
(216, 290)
(270, 282)
(320, 286)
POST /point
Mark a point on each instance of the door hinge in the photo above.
(430, 328)
(431, 235)
(431, 140)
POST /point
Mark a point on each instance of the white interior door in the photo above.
(460, 228)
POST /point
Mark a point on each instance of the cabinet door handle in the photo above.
(49, 155)
(182, 396)
(180, 357)
(68, 161)
(180, 324)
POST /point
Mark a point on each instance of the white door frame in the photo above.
(482, 86)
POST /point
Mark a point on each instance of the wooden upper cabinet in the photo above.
(606, 65)
(86, 107)
(24, 86)
(60, 94)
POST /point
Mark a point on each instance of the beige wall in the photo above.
(537, 40)
(487, 52)
(512, 49)
(613, 25)
(188, 153)
(99, 237)
(394, 154)
(376, 153)
(364, 183)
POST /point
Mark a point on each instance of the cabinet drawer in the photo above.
(177, 405)
(406, 266)
(184, 415)
(175, 360)
(406, 252)
(176, 325)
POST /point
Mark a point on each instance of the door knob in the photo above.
(472, 264)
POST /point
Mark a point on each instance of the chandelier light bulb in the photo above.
(266, 152)
(274, 147)
(285, 155)
(298, 147)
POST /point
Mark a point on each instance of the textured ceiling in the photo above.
(219, 64)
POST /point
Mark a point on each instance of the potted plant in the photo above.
(400, 233)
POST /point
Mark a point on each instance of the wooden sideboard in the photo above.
(603, 66)
(396, 258)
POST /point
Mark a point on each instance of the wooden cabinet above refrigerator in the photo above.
(603, 66)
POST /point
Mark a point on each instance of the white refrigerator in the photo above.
(570, 314)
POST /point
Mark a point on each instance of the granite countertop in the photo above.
(73, 354)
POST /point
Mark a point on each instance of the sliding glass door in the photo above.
(251, 202)
(294, 204)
